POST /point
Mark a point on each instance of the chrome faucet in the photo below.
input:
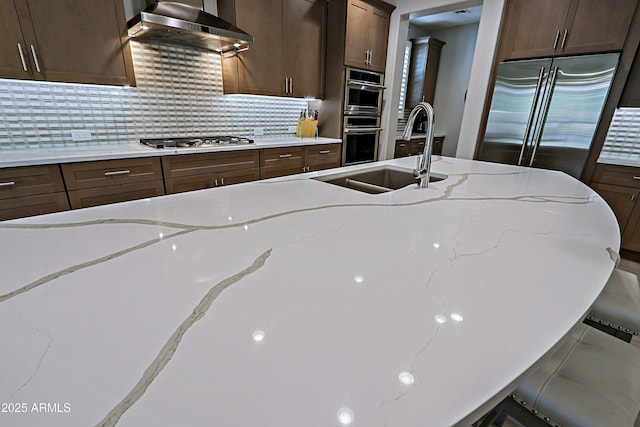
(423, 166)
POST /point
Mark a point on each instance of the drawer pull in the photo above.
(123, 172)
(636, 177)
(284, 156)
(325, 151)
(7, 184)
(402, 145)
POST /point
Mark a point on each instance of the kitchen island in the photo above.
(294, 302)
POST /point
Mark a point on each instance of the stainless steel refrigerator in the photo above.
(544, 112)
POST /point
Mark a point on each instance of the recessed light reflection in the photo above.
(436, 245)
(258, 336)
(440, 318)
(358, 279)
(406, 378)
(246, 226)
(345, 416)
(160, 235)
(174, 247)
(230, 218)
(457, 317)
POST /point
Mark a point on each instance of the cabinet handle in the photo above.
(370, 56)
(633, 197)
(290, 84)
(7, 184)
(564, 39)
(122, 172)
(215, 181)
(325, 151)
(35, 58)
(221, 181)
(24, 64)
(555, 42)
(403, 145)
(284, 156)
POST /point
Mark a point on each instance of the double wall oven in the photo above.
(362, 109)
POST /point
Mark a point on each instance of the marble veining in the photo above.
(174, 341)
(292, 301)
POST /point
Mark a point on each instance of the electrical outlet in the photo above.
(81, 135)
(292, 129)
(258, 131)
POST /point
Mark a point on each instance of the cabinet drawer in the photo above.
(288, 157)
(105, 173)
(323, 154)
(626, 176)
(39, 204)
(208, 163)
(116, 193)
(30, 180)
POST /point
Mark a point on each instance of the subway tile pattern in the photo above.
(179, 93)
(623, 138)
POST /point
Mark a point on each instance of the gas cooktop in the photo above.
(206, 141)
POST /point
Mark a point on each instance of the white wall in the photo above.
(453, 81)
(488, 30)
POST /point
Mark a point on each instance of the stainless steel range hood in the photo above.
(184, 22)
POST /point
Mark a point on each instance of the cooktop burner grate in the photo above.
(207, 141)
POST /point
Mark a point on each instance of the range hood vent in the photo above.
(177, 22)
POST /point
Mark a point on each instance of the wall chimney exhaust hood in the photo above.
(184, 22)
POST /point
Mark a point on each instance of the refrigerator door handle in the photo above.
(545, 112)
(527, 130)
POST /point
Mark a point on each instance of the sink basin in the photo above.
(376, 180)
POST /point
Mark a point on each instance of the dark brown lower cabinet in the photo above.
(31, 190)
(416, 147)
(284, 161)
(619, 186)
(189, 172)
(110, 181)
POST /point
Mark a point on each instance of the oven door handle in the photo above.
(361, 130)
(365, 84)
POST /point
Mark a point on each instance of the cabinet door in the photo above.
(598, 26)
(535, 28)
(631, 234)
(621, 200)
(261, 68)
(356, 44)
(12, 44)
(82, 41)
(305, 23)
(403, 148)
(378, 27)
(323, 156)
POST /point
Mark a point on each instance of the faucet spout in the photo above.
(423, 167)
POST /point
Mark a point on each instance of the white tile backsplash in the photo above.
(179, 93)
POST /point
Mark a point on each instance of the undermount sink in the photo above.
(381, 179)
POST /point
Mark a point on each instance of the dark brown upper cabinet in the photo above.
(367, 34)
(540, 28)
(288, 55)
(77, 41)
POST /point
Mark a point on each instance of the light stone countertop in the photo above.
(293, 302)
(85, 152)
